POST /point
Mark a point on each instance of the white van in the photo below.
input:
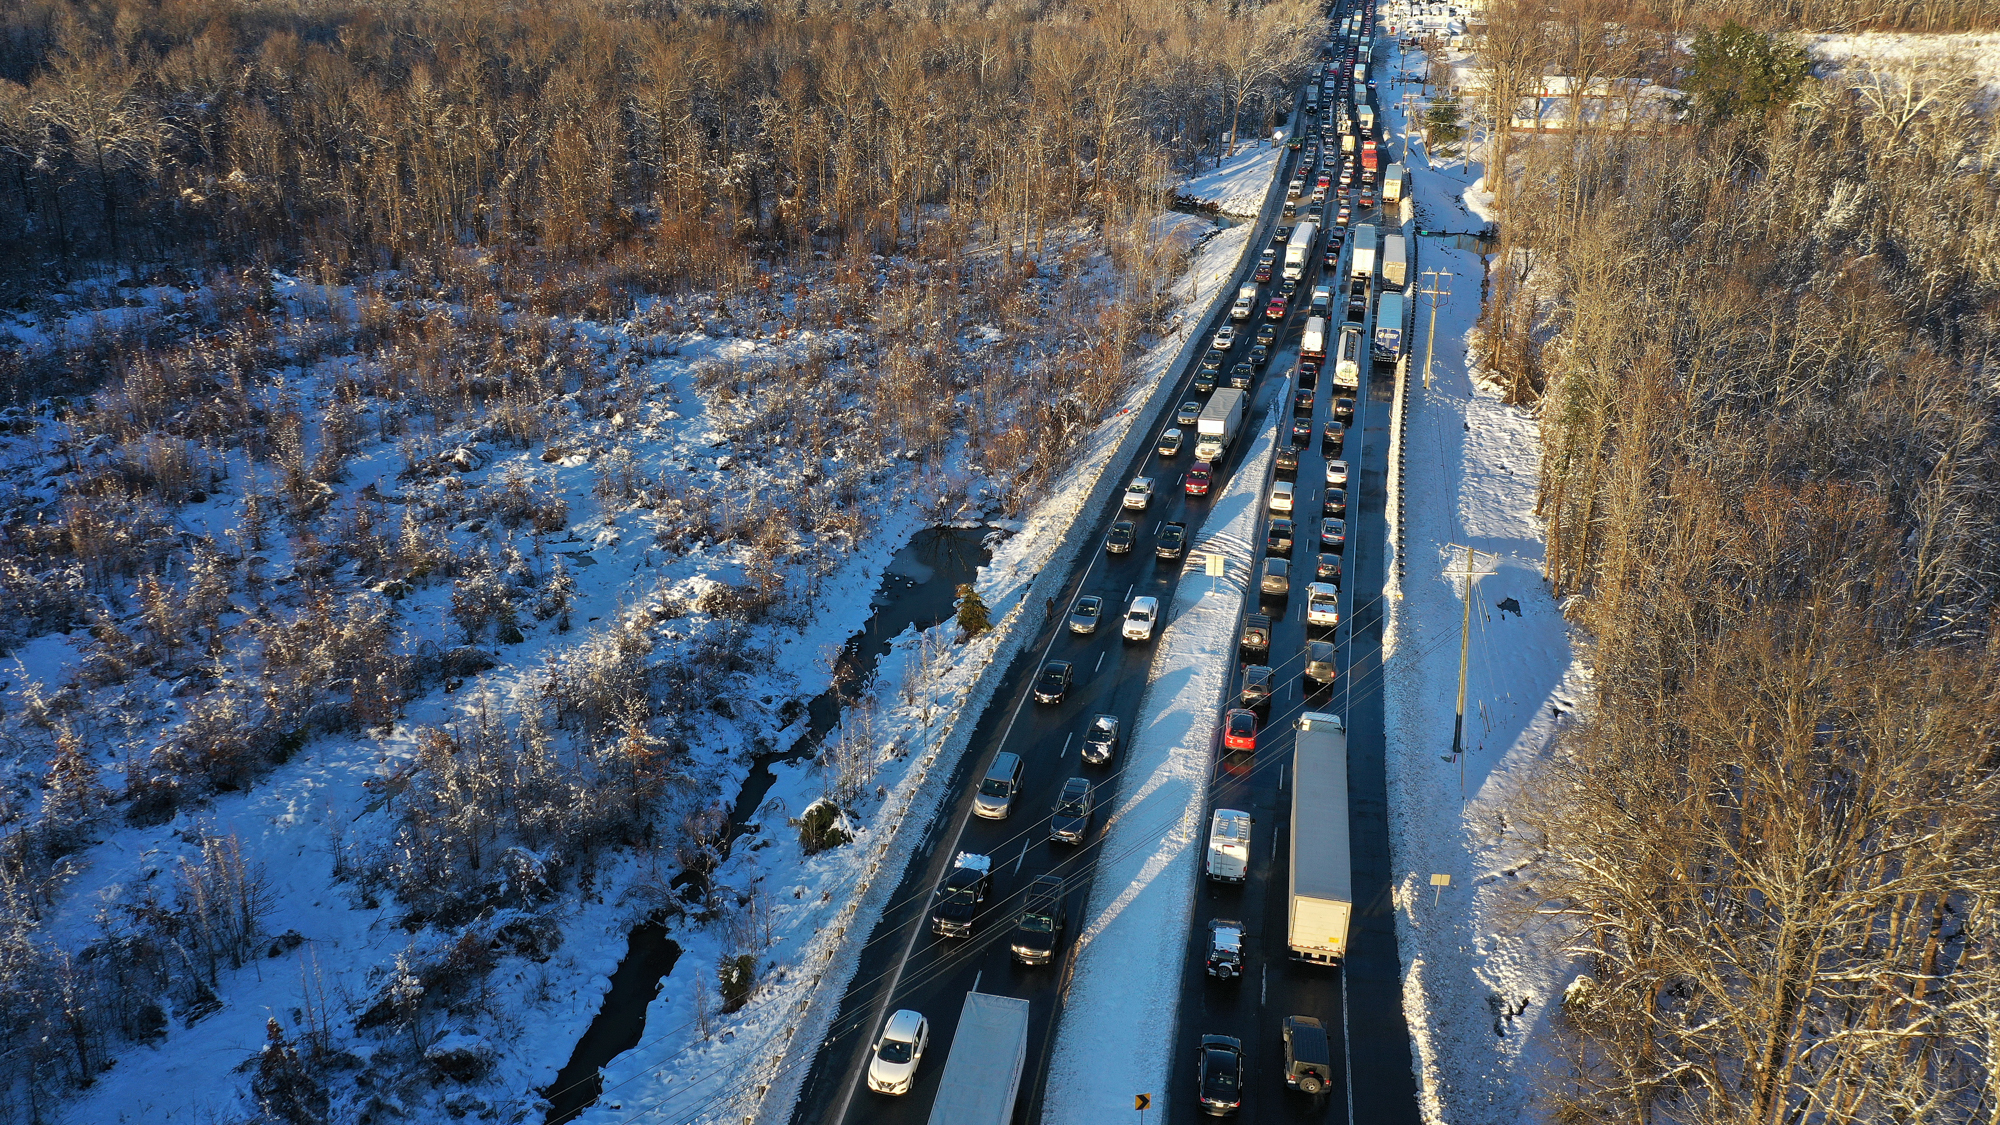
(1347, 369)
(1229, 846)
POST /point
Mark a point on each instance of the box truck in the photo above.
(1395, 261)
(1391, 314)
(1362, 262)
(1367, 115)
(989, 1053)
(1299, 249)
(1322, 876)
(1395, 182)
(1218, 423)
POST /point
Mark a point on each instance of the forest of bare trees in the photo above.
(389, 233)
(1761, 348)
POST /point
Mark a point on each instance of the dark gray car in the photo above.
(1070, 823)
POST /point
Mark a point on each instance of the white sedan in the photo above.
(892, 1067)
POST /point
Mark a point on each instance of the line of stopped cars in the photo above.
(966, 896)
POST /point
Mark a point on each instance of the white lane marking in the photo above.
(975, 979)
(1066, 741)
(1019, 858)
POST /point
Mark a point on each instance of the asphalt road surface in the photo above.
(1360, 1003)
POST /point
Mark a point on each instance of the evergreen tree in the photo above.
(972, 615)
(1740, 73)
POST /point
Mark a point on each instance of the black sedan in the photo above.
(1119, 542)
(1302, 401)
(1171, 542)
(1336, 502)
(1053, 683)
(1302, 431)
(1343, 409)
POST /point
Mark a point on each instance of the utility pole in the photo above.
(1430, 344)
(1472, 575)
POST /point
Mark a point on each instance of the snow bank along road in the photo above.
(903, 964)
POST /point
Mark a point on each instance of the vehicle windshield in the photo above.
(958, 897)
(894, 1051)
(1241, 724)
(1071, 808)
(994, 787)
(1038, 924)
(1086, 609)
(1137, 615)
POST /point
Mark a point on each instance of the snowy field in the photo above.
(1239, 185)
(1861, 52)
(1115, 1033)
(340, 947)
(1481, 966)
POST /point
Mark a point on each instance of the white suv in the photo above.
(892, 1066)
(1281, 496)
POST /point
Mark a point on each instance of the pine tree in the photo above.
(972, 614)
(73, 798)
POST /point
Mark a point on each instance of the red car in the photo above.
(1367, 199)
(1263, 272)
(1275, 310)
(1239, 730)
(1198, 478)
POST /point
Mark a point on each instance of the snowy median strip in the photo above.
(1115, 1033)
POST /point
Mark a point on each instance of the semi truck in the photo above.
(1394, 183)
(1362, 262)
(1312, 345)
(1218, 423)
(1395, 261)
(1322, 876)
(989, 1053)
(1299, 250)
(1391, 314)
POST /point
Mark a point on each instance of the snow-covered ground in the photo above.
(1481, 967)
(797, 914)
(752, 1063)
(1115, 1033)
(1238, 186)
(1859, 52)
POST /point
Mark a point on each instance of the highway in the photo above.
(904, 965)
(1361, 1003)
